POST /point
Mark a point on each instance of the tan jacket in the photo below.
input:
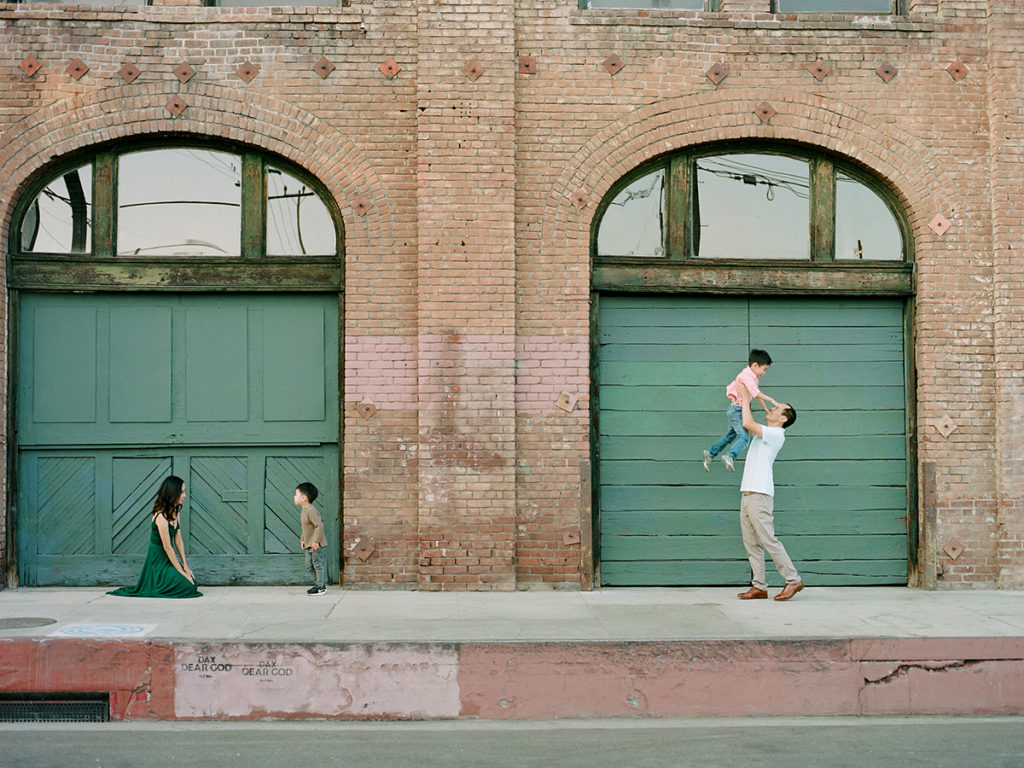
(312, 527)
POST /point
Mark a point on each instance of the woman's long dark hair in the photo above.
(166, 503)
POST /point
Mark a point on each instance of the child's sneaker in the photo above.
(707, 461)
(727, 460)
(313, 591)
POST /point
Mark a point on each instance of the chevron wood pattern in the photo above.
(282, 530)
(66, 494)
(218, 521)
(136, 481)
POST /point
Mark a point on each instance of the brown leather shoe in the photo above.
(753, 594)
(789, 590)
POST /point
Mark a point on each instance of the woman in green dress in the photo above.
(162, 574)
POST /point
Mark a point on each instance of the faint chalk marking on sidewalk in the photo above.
(104, 630)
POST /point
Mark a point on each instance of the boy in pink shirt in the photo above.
(757, 365)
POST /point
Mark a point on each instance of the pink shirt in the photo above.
(749, 379)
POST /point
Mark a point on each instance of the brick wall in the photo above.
(1006, 44)
(662, 100)
(466, 184)
(466, 314)
(290, 110)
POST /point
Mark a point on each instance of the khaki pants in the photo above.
(758, 528)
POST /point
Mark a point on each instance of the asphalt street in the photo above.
(936, 742)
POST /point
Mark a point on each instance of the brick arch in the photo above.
(258, 121)
(904, 162)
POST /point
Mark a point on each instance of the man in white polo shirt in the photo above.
(758, 499)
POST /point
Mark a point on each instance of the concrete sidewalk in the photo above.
(258, 653)
(287, 614)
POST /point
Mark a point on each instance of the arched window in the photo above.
(744, 217)
(134, 216)
(700, 256)
(59, 220)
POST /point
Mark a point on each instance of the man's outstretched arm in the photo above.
(748, 418)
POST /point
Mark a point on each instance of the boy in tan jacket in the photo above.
(313, 541)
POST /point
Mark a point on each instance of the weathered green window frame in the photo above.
(679, 271)
(102, 269)
(709, 6)
(896, 8)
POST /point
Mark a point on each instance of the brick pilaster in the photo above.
(466, 274)
(1006, 45)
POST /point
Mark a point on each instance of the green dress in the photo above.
(159, 578)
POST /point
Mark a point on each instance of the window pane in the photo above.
(115, 3)
(179, 202)
(298, 222)
(634, 223)
(60, 218)
(678, 5)
(834, 6)
(285, 3)
(865, 226)
(751, 206)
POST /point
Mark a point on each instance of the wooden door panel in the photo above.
(221, 370)
(216, 360)
(115, 392)
(63, 381)
(135, 483)
(282, 529)
(66, 498)
(141, 355)
(841, 480)
(293, 381)
(218, 490)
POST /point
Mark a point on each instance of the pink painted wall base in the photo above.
(236, 681)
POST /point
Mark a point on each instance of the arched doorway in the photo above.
(177, 308)
(699, 257)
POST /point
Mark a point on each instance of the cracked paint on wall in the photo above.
(942, 687)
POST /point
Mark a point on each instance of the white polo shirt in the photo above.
(757, 469)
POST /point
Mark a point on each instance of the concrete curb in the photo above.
(195, 680)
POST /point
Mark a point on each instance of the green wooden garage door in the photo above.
(235, 394)
(841, 479)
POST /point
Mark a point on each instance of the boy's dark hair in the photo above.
(760, 357)
(789, 414)
(308, 490)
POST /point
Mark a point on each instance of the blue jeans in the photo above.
(736, 432)
(315, 565)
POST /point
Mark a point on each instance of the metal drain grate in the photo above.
(61, 708)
